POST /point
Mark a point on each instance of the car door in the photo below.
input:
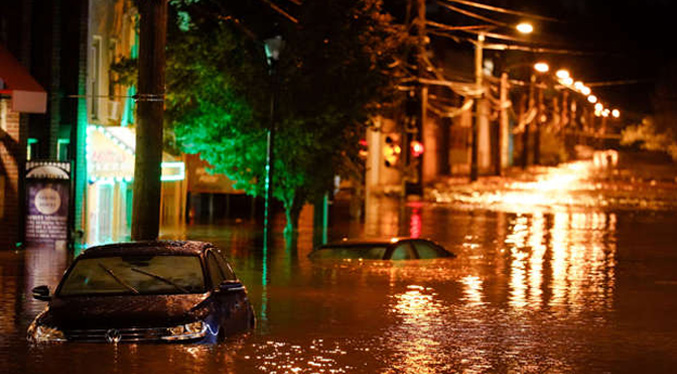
(231, 295)
(218, 298)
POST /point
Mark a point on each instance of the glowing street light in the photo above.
(541, 67)
(616, 113)
(578, 85)
(525, 28)
(568, 81)
(592, 99)
(599, 107)
(563, 74)
(585, 90)
(606, 112)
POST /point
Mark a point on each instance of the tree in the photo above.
(658, 132)
(333, 76)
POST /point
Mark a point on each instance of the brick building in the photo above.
(19, 94)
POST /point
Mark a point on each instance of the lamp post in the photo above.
(273, 46)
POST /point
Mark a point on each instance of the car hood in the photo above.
(87, 312)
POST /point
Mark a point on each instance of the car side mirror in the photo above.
(41, 293)
(231, 286)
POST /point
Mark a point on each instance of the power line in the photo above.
(502, 10)
(457, 28)
(619, 83)
(512, 47)
(474, 15)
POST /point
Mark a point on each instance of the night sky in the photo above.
(628, 40)
(610, 40)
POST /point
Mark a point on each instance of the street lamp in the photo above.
(541, 67)
(563, 74)
(525, 28)
(273, 47)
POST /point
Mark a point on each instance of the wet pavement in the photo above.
(542, 284)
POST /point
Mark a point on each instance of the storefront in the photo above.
(110, 167)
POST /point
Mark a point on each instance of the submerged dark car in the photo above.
(160, 291)
(381, 249)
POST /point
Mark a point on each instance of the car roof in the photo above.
(155, 247)
(368, 241)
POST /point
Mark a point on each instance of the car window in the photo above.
(134, 274)
(215, 273)
(228, 272)
(367, 252)
(403, 251)
(428, 250)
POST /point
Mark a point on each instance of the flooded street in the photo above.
(545, 281)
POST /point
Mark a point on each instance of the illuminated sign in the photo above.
(110, 156)
(48, 193)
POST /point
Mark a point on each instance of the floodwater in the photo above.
(545, 287)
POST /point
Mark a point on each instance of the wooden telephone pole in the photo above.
(147, 169)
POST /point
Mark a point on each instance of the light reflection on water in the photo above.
(535, 291)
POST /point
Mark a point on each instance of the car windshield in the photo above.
(134, 275)
(367, 252)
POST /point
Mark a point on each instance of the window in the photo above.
(140, 274)
(62, 149)
(215, 273)
(32, 149)
(228, 272)
(366, 252)
(427, 250)
(403, 251)
(94, 77)
(105, 213)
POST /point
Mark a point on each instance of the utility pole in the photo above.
(479, 45)
(147, 168)
(503, 139)
(422, 97)
(537, 134)
(527, 125)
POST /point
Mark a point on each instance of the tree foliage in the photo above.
(333, 76)
(658, 132)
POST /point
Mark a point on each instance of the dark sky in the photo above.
(629, 40)
(615, 40)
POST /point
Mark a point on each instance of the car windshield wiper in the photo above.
(117, 279)
(160, 278)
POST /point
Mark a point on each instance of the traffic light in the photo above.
(416, 148)
(391, 151)
(363, 151)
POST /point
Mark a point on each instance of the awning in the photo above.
(110, 156)
(27, 95)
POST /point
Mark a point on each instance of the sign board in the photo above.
(201, 180)
(48, 186)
